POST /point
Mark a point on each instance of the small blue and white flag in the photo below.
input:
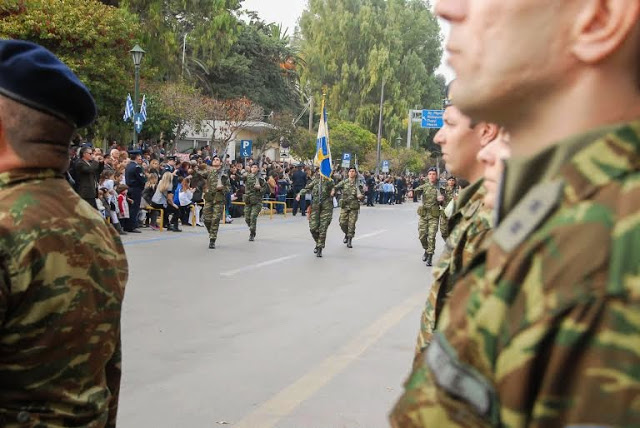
(128, 109)
(143, 108)
(323, 153)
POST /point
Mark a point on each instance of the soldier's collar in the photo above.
(11, 178)
(521, 174)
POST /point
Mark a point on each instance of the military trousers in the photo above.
(251, 213)
(347, 220)
(427, 230)
(319, 221)
(212, 213)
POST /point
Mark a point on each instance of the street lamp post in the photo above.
(136, 54)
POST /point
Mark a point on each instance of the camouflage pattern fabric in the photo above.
(253, 200)
(429, 213)
(449, 192)
(321, 208)
(543, 330)
(62, 278)
(350, 205)
(470, 226)
(214, 201)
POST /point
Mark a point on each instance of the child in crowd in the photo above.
(123, 201)
(100, 203)
(108, 184)
(185, 196)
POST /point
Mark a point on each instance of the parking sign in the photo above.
(245, 148)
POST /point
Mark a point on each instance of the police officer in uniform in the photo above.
(62, 268)
(135, 178)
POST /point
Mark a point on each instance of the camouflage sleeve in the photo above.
(4, 291)
(308, 188)
(340, 185)
(589, 362)
(264, 186)
(113, 371)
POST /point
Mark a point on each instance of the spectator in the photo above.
(87, 172)
(163, 199)
(135, 180)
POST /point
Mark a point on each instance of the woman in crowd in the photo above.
(163, 199)
(185, 198)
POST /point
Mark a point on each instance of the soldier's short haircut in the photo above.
(33, 135)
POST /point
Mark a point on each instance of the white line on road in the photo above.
(369, 235)
(285, 402)
(257, 265)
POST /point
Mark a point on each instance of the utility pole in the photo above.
(311, 114)
(380, 128)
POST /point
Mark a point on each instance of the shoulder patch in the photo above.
(528, 214)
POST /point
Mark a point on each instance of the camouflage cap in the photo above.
(33, 76)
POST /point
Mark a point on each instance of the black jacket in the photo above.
(134, 176)
(87, 174)
(299, 180)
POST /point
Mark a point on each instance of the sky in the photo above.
(287, 13)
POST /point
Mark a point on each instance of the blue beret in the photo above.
(33, 76)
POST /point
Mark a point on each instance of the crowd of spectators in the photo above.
(132, 187)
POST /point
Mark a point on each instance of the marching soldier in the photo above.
(255, 187)
(214, 199)
(449, 193)
(321, 189)
(349, 205)
(429, 213)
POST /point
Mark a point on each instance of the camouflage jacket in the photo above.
(62, 276)
(350, 190)
(544, 330)
(252, 195)
(448, 193)
(211, 192)
(314, 187)
(470, 225)
(430, 206)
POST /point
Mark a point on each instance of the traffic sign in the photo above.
(346, 160)
(137, 123)
(432, 119)
(246, 147)
(385, 166)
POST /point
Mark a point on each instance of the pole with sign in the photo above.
(346, 160)
(246, 148)
(385, 166)
(432, 119)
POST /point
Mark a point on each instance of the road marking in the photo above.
(285, 402)
(369, 235)
(257, 265)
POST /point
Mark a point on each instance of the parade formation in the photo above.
(529, 312)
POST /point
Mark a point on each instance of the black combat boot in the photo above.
(252, 235)
(349, 243)
(319, 253)
(346, 238)
(429, 259)
(212, 244)
(315, 250)
(424, 256)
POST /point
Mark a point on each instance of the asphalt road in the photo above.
(264, 334)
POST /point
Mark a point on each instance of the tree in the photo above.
(349, 137)
(258, 66)
(227, 117)
(350, 47)
(93, 39)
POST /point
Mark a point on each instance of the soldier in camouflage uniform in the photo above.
(214, 199)
(349, 205)
(321, 208)
(255, 187)
(449, 193)
(542, 330)
(429, 213)
(62, 268)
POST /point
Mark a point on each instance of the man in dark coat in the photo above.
(136, 178)
(87, 172)
(299, 181)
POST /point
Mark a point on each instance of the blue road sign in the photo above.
(137, 123)
(246, 148)
(432, 119)
(385, 166)
(346, 160)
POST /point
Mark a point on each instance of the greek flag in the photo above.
(323, 153)
(143, 108)
(128, 109)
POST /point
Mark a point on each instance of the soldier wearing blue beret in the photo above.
(62, 268)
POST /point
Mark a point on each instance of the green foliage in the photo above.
(91, 38)
(252, 69)
(209, 25)
(350, 47)
(349, 137)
